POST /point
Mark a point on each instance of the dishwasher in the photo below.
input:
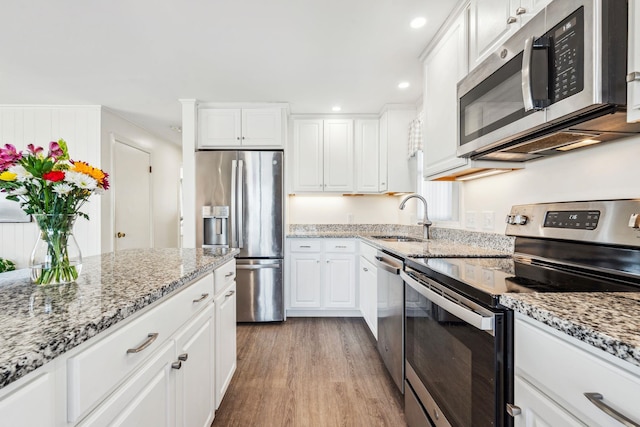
(391, 315)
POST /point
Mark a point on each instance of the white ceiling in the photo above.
(138, 57)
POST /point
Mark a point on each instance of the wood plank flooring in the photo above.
(309, 372)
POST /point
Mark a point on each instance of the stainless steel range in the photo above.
(459, 339)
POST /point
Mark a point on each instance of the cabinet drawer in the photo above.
(99, 368)
(565, 372)
(306, 245)
(333, 245)
(368, 252)
(224, 275)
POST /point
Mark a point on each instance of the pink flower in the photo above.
(33, 149)
(8, 156)
(55, 150)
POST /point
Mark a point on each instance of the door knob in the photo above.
(120, 235)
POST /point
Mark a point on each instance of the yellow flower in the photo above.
(8, 176)
(87, 169)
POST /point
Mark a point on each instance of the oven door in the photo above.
(455, 352)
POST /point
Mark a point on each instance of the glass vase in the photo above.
(56, 257)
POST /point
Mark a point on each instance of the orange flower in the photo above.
(87, 169)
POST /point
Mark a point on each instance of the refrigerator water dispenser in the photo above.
(216, 227)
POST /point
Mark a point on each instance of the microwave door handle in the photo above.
(527, 93)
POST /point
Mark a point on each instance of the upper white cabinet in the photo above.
(491, 22)
(367, 142)
(323, 156)
(633, 87)
(397, 171)
(445, 65)
(246, 127)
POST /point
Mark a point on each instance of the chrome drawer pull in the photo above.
(341, 247)
(183, 357)
(305, 246)
(513, 410)
(176, 365)
(633, 76)
(229, 274)
(204, 296)
(229, 294)
(150, 338)
(597, 399)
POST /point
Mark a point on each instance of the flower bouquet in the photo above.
(52, 188)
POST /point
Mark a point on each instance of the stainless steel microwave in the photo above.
(558, 84)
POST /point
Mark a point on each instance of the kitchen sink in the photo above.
(397, 239)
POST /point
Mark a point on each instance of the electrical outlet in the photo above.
(470, 219)
(487, 220)
(349, 218)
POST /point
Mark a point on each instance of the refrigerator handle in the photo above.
(240, 212)
(232, 216)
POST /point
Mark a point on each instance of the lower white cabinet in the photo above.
(225, 303)
(196, 373)
(368, 280)
(556, 373)
(17, 407)
(322, 277)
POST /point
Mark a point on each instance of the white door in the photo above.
(307, 155)
(338, 156)
(219, 128)
(490, 23)
(262, 127)
(367, 155)
(305, 280)
(340, 281)
(226, 347)
(132, 184)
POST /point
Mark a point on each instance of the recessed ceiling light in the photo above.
(337, 108)
(418, 22)
(403, 85)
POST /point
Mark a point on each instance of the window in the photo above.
(442, 196)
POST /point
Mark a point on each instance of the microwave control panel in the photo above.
(567, 73)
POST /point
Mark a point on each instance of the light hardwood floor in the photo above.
(316, 372)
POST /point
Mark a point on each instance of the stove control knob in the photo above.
(634, 221)
(520, 219)
(509, 219)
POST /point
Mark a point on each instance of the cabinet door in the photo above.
(401, 169)
(262, 127)
(338, 155)
(529, 9)
(339, 281)
(633, 87)
(368, 281)
(219, 128)
(443, 68)
(305, 280)
(225, 341)
(308, 155)
(195, 382)
(367, 155)
(491, 22)
(383, 167)
(17, 408)
(537, 409)
(146, 399)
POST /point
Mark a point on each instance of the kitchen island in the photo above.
(67, 332)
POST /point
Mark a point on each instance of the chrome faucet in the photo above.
(426, 223)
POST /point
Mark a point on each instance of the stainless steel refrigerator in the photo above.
(250, 184)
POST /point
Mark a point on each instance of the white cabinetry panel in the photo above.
(338, 155)
(633, 87)
(225, 340)
(367, 156)
(17, 408)
(261, 127)
(340, 281)
(305, 280)
(239, 127)
(308, 155)
(219, 127)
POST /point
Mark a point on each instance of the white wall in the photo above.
(609, 171)
(166, 159)
(373, 209)
(80, 127)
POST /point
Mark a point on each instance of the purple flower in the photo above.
(8, 156)
(33, 149)
(55, 150)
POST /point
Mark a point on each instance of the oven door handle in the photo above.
(484, 323)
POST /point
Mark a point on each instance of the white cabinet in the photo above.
(633, 87)
(445, 65)
(323, 156)
(554, 373)
(492, 22)
(397, 170)
(367, 147)
(321, 277)
(225, 343)
(368, 279)
(196, 374)
(17, 406)
(338, 155)
(246, 127)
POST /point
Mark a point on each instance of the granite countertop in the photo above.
(40, 323)
(609, 321)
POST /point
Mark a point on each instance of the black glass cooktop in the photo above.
(485, 279)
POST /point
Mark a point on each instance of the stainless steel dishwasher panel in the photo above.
(260, 290)
(391, 316)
